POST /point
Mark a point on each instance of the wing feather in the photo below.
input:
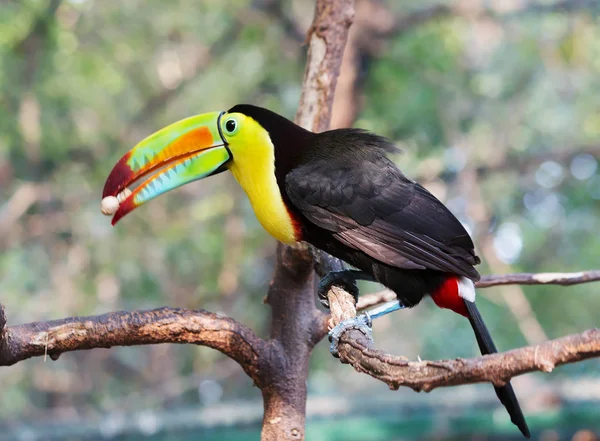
(374, 208)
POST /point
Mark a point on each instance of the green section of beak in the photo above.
(183, 152)
(196, 167)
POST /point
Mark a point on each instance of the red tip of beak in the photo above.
(126, 206)
(120, 175)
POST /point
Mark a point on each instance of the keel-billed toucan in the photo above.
(336, 190)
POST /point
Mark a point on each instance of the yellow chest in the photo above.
(254, 169)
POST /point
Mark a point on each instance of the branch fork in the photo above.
(279, 366)
(355, 349)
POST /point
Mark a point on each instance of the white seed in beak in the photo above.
(109, 205)
(123, 195)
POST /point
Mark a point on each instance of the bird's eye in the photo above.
(231, 126)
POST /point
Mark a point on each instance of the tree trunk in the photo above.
(295, 317)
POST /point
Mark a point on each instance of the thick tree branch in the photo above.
(326, 42)
(396, 371)
(167, 325)
(164, 325)
(291, 295)
(278, 366)
(284, 368)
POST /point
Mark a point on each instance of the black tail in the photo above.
(505, 394)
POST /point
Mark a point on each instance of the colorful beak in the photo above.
(183, 152)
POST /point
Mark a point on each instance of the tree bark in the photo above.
(292, 291)
(284, 366)
(356, 350)
(279, 366)
(237, 341)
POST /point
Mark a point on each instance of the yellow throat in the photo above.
(254, 169)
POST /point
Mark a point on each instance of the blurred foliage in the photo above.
(495, 109)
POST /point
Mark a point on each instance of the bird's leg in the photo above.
(362, 322)
(345, 279)
(385, 309)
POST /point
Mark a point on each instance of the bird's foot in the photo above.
(361, 322)
(344, 279)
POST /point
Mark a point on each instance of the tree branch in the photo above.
(292, 293)
(168, 325)
(278, 366)
(164, 325)
(357, 350)
(563, 279)
(327, 40)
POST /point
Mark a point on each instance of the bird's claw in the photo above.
(344, 279)
(361, 322)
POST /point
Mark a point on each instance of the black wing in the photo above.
(371, 206)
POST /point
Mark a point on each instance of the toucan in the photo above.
(338, 190)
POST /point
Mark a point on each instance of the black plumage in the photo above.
(354, 196)
(351, 201)
(354, 203)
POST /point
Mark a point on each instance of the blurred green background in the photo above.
(495, 104)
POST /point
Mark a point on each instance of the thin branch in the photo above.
(563, 279)
(164, 325)
(374, 299)
(499, 368)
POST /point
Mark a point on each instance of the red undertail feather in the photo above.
(447, 296)
(458, 295)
